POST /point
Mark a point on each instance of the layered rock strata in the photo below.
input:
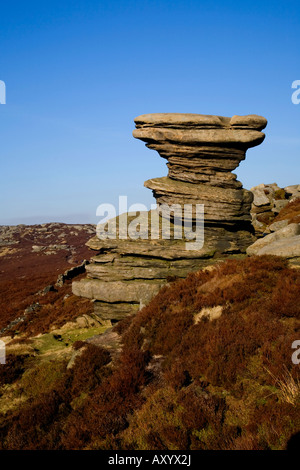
(201, 152)
(124, 275)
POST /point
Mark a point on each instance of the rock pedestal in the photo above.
(201, 152)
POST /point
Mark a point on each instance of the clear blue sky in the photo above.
(78, 72)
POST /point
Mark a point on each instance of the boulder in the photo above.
(278, 225)
(260, 198)
(284, 235)
(117, 291)
(286, 247)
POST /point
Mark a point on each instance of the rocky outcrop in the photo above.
(126, 274)
(276, 218)
(201, 151)
(284, 242)
(71, 273)
(269, 200)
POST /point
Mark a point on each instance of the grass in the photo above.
(288, 387)
(50, 343)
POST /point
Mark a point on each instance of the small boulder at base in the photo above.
(284, 242)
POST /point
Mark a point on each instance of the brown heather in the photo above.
(181, 384)
(290, 212)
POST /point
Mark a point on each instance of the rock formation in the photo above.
(269, 200)
(276, 218)
(201, 152)
(283, 242)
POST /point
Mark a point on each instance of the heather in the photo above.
(182, 379)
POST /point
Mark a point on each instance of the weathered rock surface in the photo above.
(269, 200)
(293, 191)
(284, 242)
(71, 273)
(278, 225)
(221, 205)
(287, 232)
(201, 152)
(287, 247)
(126, 274)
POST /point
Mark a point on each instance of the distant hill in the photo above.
(31, 258)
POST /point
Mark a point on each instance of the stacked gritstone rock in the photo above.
(201, 152)
(124, 275)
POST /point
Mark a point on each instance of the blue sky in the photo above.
(78, 72)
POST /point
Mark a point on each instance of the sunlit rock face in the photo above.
(202, 151)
